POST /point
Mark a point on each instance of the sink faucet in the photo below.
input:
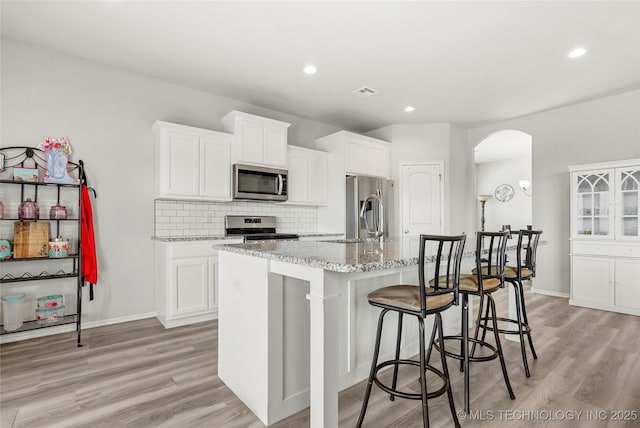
(378, 197)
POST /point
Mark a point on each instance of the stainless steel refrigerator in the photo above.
(378, 211)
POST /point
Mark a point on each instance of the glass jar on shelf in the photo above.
(58, 212)
(28, 210)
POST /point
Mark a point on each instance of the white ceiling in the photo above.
(464, 62)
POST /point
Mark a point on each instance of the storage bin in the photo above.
(12, 311)
(52, 301)
(47, 315)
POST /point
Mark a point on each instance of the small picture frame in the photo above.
(25, 174)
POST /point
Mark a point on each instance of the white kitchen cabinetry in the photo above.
(257, 140)
(186, 281)
(605, 241)
(192, 163)
(626, 284)
(378, 159)
(308, 176)
(362, 155)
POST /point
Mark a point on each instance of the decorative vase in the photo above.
(57, 151)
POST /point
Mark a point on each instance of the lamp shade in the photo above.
(484, 198)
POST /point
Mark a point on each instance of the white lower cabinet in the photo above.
(192, 286)
(605, 276)
(592, 280)
(186, 282)
(627, 284)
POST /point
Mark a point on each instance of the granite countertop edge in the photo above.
(322, 264)
(194, 238)
(336, 266)
(228, 238)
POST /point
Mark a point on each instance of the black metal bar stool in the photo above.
(525, 269)
(446, 254)
(487, 277)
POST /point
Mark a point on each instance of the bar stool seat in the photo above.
(509, 272)
(512, 272)
(408, 297)
(470, 282)
(419, 301)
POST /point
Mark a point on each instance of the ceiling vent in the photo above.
(365, 92)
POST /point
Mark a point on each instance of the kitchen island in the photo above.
(295, 326)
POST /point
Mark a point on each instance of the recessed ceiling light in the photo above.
(577, 52)
(310, 69)
(409, 109)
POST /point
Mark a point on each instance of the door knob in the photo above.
(406, 231)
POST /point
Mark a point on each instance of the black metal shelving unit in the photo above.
(34, 158)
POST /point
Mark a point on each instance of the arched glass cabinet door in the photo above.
(629, 196)
(592, 205)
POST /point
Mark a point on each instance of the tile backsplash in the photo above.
(195, 218)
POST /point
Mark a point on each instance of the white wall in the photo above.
(461, 194)
(107, 114)
(517, 211)
(595, 131)
(428, 143)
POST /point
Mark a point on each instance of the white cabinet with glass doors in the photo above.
(605, 237)
(604, 201)
(628, 197)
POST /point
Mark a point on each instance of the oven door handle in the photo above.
(280, 184)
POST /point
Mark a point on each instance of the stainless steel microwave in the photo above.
(259, 183)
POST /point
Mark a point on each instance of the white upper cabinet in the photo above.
(378, 159)
(593, 193)
(257, 140)
(362, 155)
(308, 176)
(628, 196)
(192, 163)
(356, 155)
(605, 199)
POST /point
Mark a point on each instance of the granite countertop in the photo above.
(318, 235)
(194, 238)
(345, 255)
(226, 238)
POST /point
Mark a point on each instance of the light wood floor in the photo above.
(138, 374)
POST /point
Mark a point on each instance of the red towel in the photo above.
(88, 260)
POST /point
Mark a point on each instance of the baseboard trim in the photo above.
(100, 323)
(550, 293)
(50, 331)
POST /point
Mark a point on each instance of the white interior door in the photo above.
(421, 198)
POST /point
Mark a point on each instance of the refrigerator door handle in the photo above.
(380, 227)
(362, 215)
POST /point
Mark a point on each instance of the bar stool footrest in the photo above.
(460, 357)
(525, 327)
(410, 395)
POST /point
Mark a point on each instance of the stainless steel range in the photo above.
(255, 228)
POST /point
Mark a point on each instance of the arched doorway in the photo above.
(503, 171)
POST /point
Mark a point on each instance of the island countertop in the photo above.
(346, 255)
